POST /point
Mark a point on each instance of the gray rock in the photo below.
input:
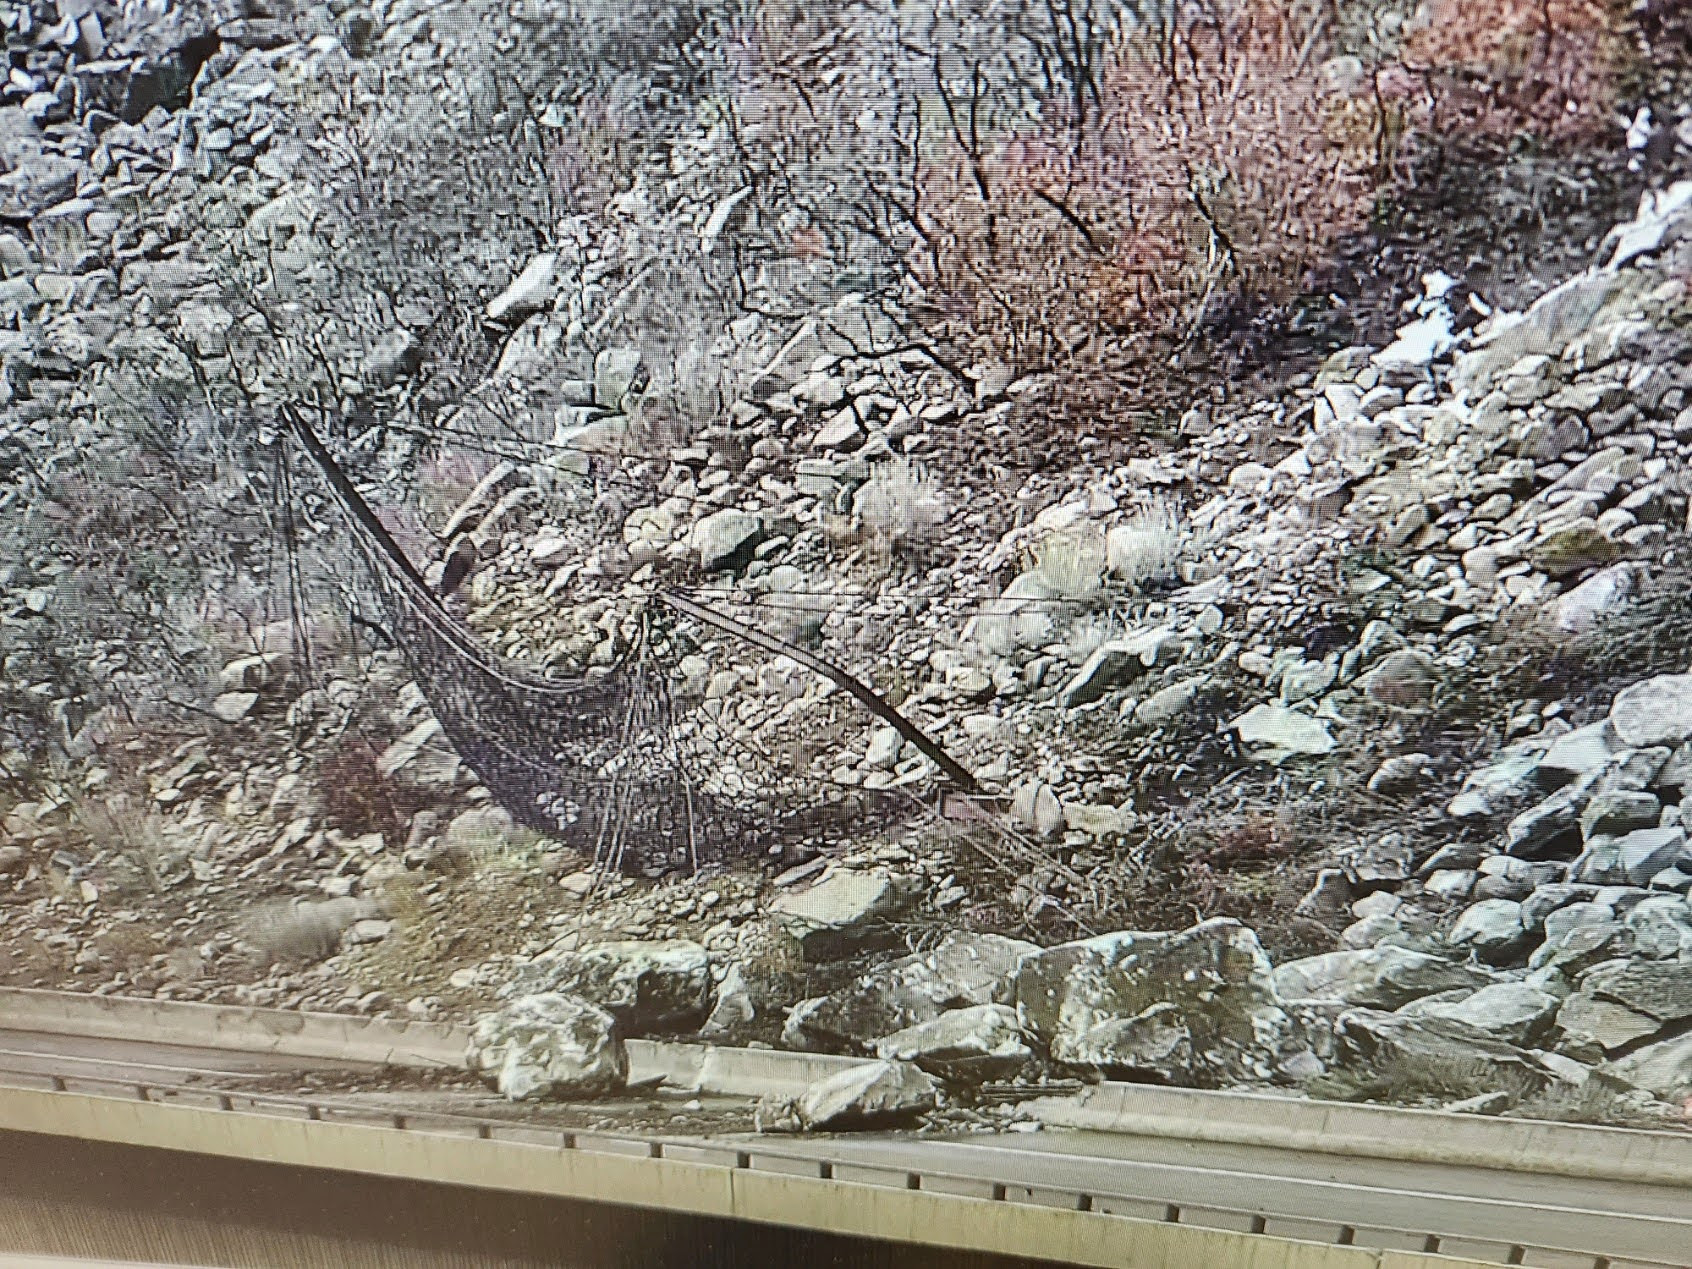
(1512, 1012)
(1377, 978)
(726, 539)
(877, 1094)
(1458, 855)
(1506, 877)
(1548, 828)
(1577, 753)
(1451, 884)
(657, 986)
(616, 372)
(12, 860)
(1492, 928)
(1655, 712)
(1619, 811)
(1573, 916)
(733, 1008)
(1507, 783)
(1662, 928)
(963, 970)
(1197, 1007)
(1677, 771)
(548, 1045)
(1630, 860)
(1275, 732)
(1405, 678)
(1430, 1053)
(530, 290)
(396, 355)
(979, 1043)
(35, 183)
(1582, 608)
(1116, 664)
(1548, 898)
(1329, 896)
(232, 707)
(1574, 951)
(1589, 1026)
(1663, 1068)
(1656, 989)
(844, 909)
(1386, 860)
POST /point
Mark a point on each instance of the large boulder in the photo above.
(549, 1045)
(1492, 928)
(979, 1043)
(874, 1095)
(960, 971)
(1655, 712)
(844, 909)
(1658, 989)
(1443, 1057)
(657, 986)
(1383, 977)
(1197, 1007)
(1663, 1068)
(1512, 1012)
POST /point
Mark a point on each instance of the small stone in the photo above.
(1281, 732)
(726, 539)
(232, 707)
(1492, 928)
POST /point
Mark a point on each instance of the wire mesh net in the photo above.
(637, 764)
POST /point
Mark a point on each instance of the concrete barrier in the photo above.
(241, 1028)
(383, 1041)
(1376, 1132)
(870, 1211)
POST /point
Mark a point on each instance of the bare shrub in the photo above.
(901, 505)
(1495, 68)
(1071, 563)
(300, 929)
(1208, 176)
(1148, 546)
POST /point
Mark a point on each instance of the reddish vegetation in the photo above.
(1500, 67)
(1208, 174)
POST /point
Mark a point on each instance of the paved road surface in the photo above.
(1627, 1221)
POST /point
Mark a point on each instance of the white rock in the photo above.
(875, 1093)
(1655, 712)
(1282, 732)
(530, 290)
(549, 1045)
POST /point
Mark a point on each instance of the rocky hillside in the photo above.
(1332, 730)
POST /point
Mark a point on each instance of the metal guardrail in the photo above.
(815, 1165)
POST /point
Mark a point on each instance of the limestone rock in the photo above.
(1512, 1012)
(877, 1094)
(979, 1043)
(549, 1045)
(963, 970)
(1655, 712)
(846, 908)
(726, 539)
(1378, 978)
(1197, 1007)
(1276, 732)
(657, 986)
(1492, 928)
